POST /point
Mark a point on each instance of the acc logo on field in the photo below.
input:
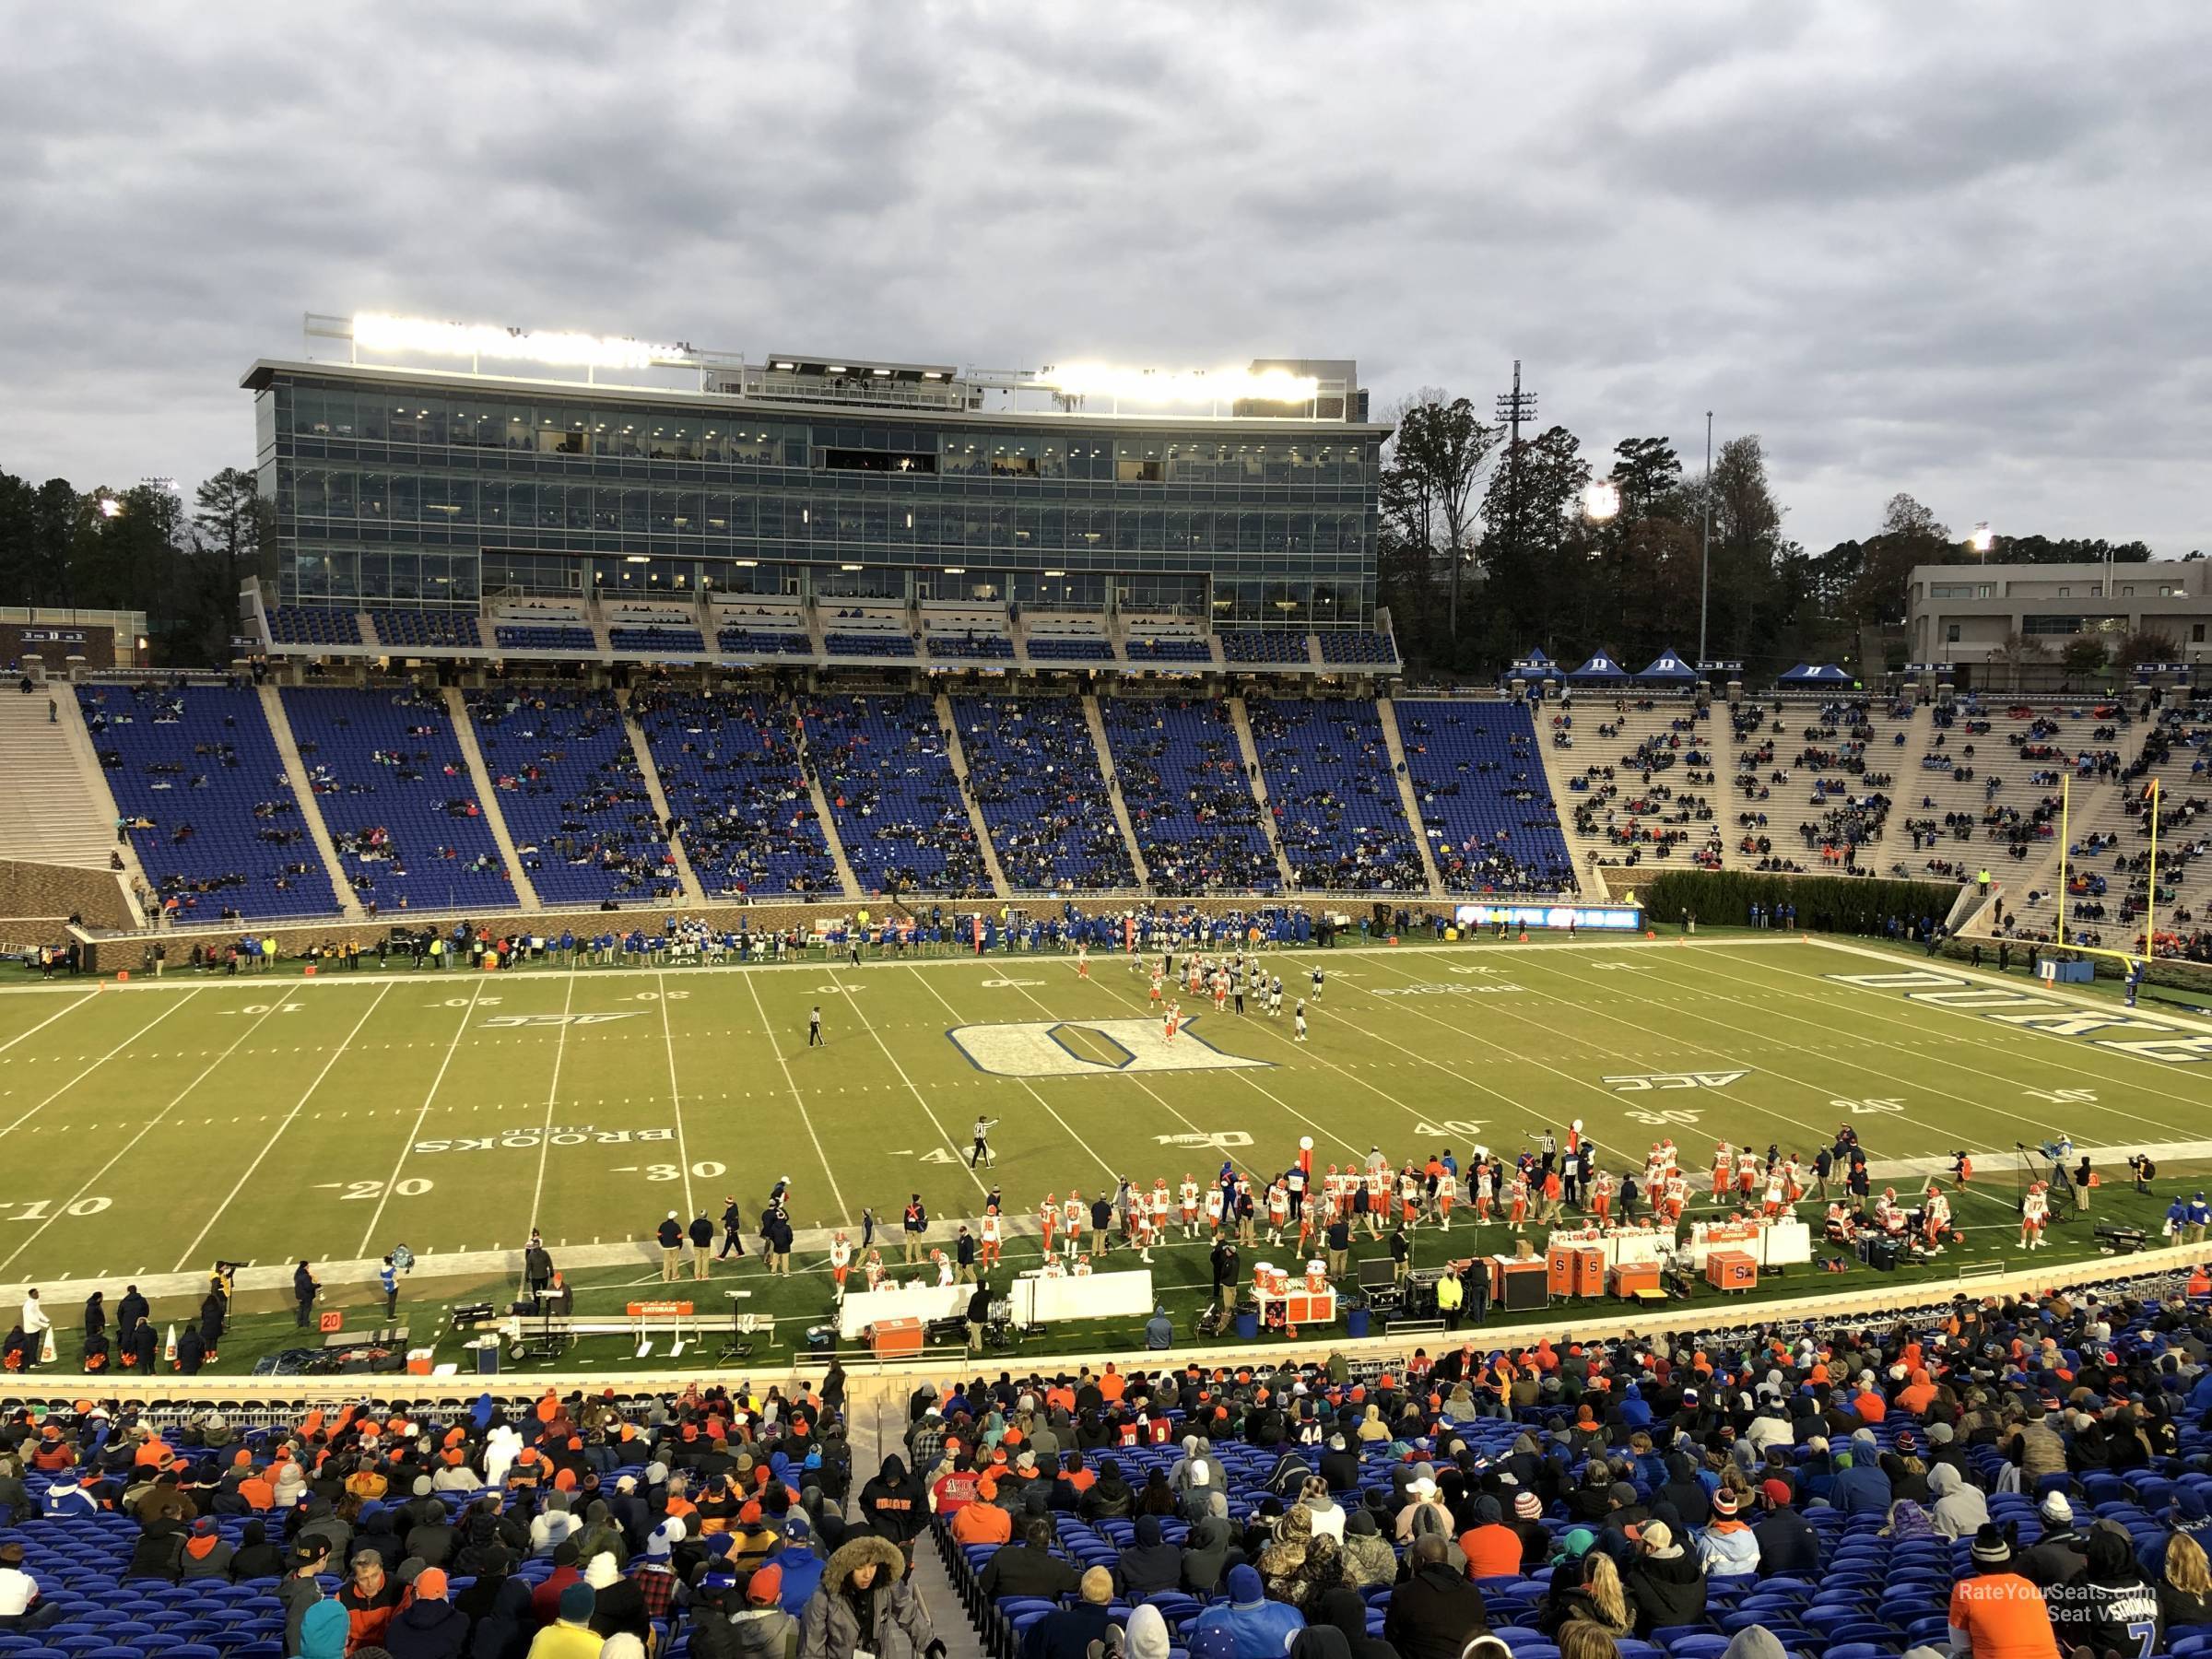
(1069, 1048)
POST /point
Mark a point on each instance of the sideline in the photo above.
(184, 980)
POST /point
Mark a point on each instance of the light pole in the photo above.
(1705, 542)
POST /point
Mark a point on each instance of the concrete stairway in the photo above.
(464, 732)
(875, 1425)
(368, 634)
(693, 892)
(1241, 721)
(57, 809)
(1096, 721)
(311, 809)
(1393, 744)
(958, 755)
(846, 880)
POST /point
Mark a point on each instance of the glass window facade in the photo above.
(388, 492)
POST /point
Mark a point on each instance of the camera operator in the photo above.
(2143, 1169)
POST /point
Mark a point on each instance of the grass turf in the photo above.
(153, 1128)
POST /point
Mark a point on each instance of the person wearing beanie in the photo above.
(1665, 1583)
(570, 1635)
(1257, 1628)
(206, 1553)
(1727, 1546)
(1433, 1612)
(864, 1603)
(2061, 1554)
(429, 1626)
(760, 1627)
(544, 1600)
(1526, 1519)
(322, 1631)
(617, 1604)
(797, 1562)
(1149, 1565)
(1995, 1613)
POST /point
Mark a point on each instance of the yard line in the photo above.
(920, 1099)
(96, 1065)
(1977, 1019)
(422, 1116)
(236, 1043)
(73, 1007)
(560, 1049)
(1050, 1110)
(1921, 1083)
(799, 1099)
(192, 1249)
(1247, 1078)
(676, 1092)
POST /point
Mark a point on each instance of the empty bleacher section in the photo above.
(760, 628)
(389, 779)
(865, 631)
(314, 624)
(544, 636)
(1336, 801)
(1358, 645)
(1165, 639)
(196, 774)
(729, 765)
(1248, 645)
(899, 816)
(966, 634)
(569, 788)
(1196, 820)
(438, 629)
(1034, 771)
(1485, 800)
(1648, 789)
(654, 638)
(1051, 639)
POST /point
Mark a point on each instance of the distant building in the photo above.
(1246, 497)
(1963, 614)
(104, 638)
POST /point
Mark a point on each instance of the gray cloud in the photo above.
(1955, 250)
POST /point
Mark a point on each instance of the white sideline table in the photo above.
(1041, 1301)
(862, 1309)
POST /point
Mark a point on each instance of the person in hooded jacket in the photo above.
(798, 1563)
(1205, 1549)
(256, 1557)
(1959, 1511)
(322, 1631)
(206, 1555)
(1665, 1583)
(1110, 1498)
(1436, 1608)
(1344, 1610)
(429, 1626)
(1150, 1564)
(504, 1631)
(760, 1629)
(1755, 1642)
(1685, 1490)
(895, 1502)
(865, 1605)
(2112, 1607)
(1368, 1557)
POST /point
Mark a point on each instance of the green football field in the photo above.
(151, 1128)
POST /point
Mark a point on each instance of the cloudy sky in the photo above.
(1954, 249)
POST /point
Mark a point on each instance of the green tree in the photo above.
(1910, 535)
(1436, 454)
(1536, 544)
(233, 540)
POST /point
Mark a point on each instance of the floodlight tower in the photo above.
(1514, 407)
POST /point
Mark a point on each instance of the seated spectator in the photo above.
(1149, 1565)
(1787, 1543)
(1258, 1627)
(255, 1558)
(1994, 1612)
(1492, 1549)
(1027, 1568)
(22, 1612)
(569, 1635)
(2185, 1592)
(429, 1626)
(1665, 1583)
(1959, 1511)
(1727, 1546)
(1068, 1632)
(1368, 1557)
(2061, 1553)
(1206, 1554)
(1435, 1610)
(369, 1598)
(2110, 1607)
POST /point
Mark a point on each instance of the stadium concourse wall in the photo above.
(870, 1376)
(124, 948)
(37, 900)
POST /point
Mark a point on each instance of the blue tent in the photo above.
(1671, 668)
(1599, 670)
(1828, 674)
